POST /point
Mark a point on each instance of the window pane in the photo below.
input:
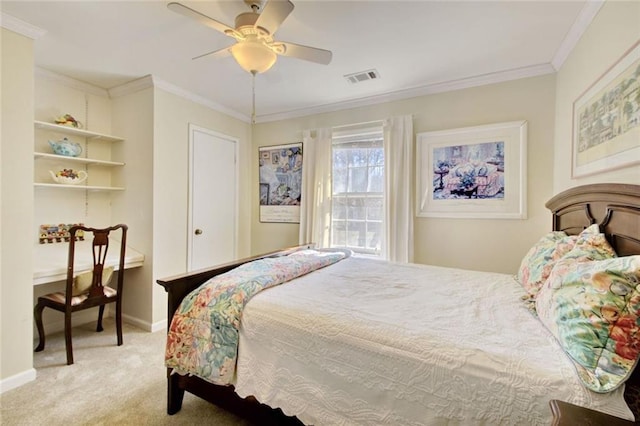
(356, 235)
(340, 157)
(338, 233)
(373, 236)
(339, 208)
(376, 179)
(357, 157)
(374, 208)
(358, 179)
(376, 157)
(357, 209)
(339, 180)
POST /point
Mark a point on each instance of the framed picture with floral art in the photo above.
(473, 172)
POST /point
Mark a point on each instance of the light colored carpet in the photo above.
(107, 384)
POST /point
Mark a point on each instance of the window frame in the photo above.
(370, 138)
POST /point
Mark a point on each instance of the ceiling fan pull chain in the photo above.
(253, 96)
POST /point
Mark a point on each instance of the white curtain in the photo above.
(315, 208)
(397, 245)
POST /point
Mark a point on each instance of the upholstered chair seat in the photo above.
(60, 296)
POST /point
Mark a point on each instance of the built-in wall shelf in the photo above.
(77, 160)
(76, 187)
(73, 131)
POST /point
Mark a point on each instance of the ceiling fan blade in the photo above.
(203, 19)
(220, 53)
(273, 14)
(307, 53)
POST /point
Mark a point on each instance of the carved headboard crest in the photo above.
(614, 207)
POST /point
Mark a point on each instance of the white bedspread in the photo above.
(405, 345)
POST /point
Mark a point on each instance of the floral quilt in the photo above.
(203, 336)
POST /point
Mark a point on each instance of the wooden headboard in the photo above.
(614, 207)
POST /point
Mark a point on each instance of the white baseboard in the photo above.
(91, 316)
(160, 325)
(145, 325)
(29, 375)
(17, 380)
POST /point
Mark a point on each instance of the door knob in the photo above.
(198, 231)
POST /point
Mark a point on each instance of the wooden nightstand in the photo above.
(565, 414)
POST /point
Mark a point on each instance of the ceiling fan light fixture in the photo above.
(255, 49)
(253, 56)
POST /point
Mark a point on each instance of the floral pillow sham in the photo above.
(590, 245)
(592, 307)
(542, 257)
(539, 260)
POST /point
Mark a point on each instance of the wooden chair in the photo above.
(86, 290)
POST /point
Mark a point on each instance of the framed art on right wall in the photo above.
(606, 119)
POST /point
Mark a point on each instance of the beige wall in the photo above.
(172, 116)
(16, 210)
(450, 242)
(155, 123)
(612, 32)
(133, 120)
(545, 102)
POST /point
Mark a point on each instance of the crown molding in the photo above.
(171, 88)
(21, 27)
(152, 81)
(582, 22)
(132, 86)
(447, 86)
(70, 82)
(580, 25)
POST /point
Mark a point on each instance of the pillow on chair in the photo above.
(82, 282)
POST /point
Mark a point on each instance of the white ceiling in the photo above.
(416, 46)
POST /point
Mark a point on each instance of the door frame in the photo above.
(192, 129)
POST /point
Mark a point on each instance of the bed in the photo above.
(410, 344)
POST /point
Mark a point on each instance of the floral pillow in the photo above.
(590, 245)
(593, 310)
(539, 260)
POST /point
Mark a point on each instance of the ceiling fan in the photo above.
(255, 49)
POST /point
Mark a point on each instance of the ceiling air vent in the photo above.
(359, 77)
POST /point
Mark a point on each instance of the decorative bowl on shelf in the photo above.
(69, 176)
(68, 120)
(65, 147)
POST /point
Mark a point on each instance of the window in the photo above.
(358, 189)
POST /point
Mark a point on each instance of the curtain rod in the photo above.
(356, 125)
(364, 123)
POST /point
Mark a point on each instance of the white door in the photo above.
(213, 177)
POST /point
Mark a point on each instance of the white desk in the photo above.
(50, 260)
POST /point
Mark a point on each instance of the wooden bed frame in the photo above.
(614, 207)
(178, 287)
